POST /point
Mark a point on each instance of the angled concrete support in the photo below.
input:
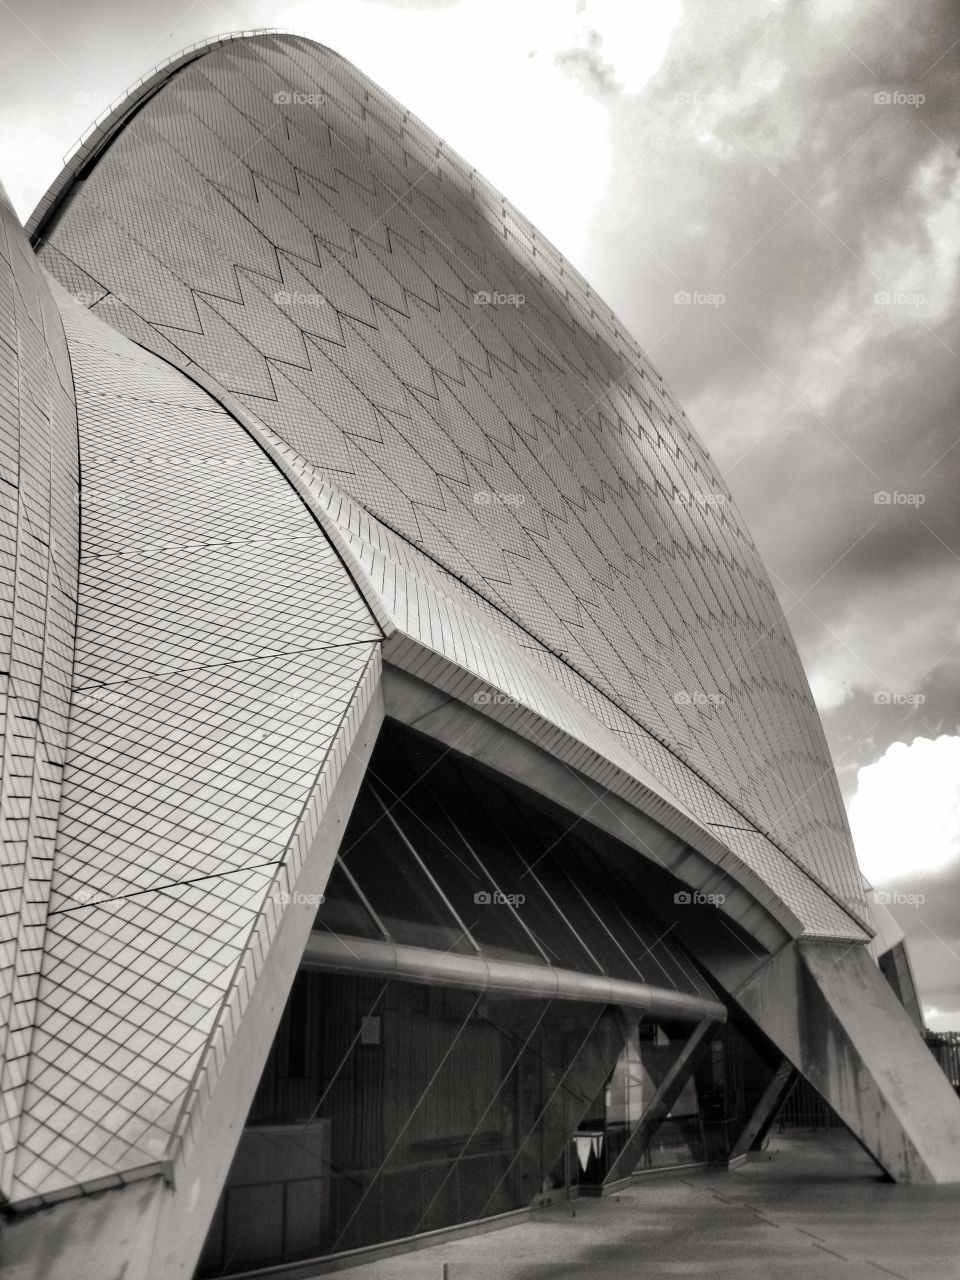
(771, 1100)
(829, 1010)
(659, 1106)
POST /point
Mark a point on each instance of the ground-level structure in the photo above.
(413, 800)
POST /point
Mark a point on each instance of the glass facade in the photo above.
(389, 1108)
(711, 1109)
(445, 856)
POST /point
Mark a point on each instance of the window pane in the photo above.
(409, 906)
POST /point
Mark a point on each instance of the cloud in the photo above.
(941, 1019)
(767, 170)
(589, 63)
(617, 47)
(905, 815)
(483, 74)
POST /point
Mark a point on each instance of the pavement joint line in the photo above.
(823, 1248)
(811, 1234)
(886, 1270)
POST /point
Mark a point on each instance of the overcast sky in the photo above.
(793, 167)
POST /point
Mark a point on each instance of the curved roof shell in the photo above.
(263, 211)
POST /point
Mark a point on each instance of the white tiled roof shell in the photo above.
(440, 629)
(224, 659)
(280, 221)
(38, 586)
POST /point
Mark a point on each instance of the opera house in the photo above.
(414, 808)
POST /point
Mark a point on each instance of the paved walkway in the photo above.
(811, 1208)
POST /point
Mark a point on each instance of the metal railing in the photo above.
(803, 1108)
(945, 1047)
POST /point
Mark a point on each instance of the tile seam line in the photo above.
(167, 885)
(256, 433)
(138, 679)
(105, 130)
(115, 121)
(567, 741)
(154, 550)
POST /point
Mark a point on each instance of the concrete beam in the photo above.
(105, 1236)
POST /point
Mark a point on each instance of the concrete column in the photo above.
(829, 1010)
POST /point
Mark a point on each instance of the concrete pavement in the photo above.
(812, 1207)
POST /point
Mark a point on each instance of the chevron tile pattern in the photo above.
(274, 218)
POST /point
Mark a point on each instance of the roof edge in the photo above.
(114, 117)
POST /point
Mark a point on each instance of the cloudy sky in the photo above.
(792, 167)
